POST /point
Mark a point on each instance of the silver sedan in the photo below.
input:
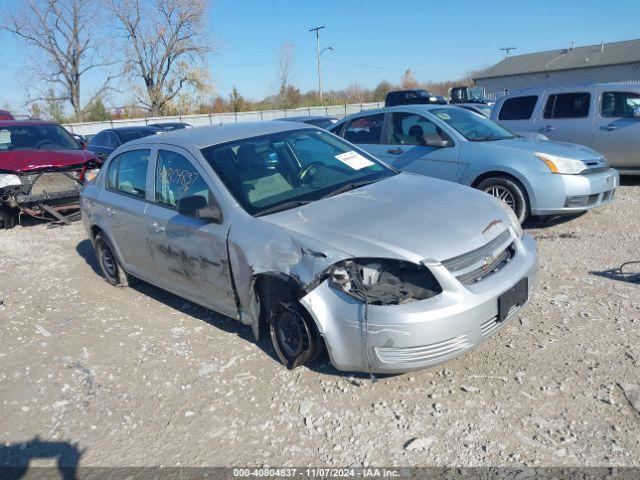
(288, 226)
(533, 177)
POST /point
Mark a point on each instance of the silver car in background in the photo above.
(533, 177)
(291, 227)
(604, 116)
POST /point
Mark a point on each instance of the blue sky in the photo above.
(374, 40)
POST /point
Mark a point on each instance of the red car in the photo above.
(41, 170)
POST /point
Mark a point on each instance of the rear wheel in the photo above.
(8, 218)
(108, 262)
(510, 192)
(294, 335)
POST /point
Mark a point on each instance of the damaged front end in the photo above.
(45, 193)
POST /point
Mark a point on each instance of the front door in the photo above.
(616, 132)
(404, 147)
(190, 255)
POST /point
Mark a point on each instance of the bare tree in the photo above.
(284, 65)
(63, 35)
(408, 79)
(164, 44)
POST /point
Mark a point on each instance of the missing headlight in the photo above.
(384, 281)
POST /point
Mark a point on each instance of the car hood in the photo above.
(20, 161)
(407, 216)
(532, 145)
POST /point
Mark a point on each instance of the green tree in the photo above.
(96, 111)
(236, 100)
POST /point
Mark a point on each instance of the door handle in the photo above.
(609, 127)
(110, 211)
(395, 151)
(547, 128)
(157, 228)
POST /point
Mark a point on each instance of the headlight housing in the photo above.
(9, 180)
(383, 281)
(563, 165)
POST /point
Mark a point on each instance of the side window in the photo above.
(365, 129)
(410, 129)
(176, 177)
(518, 108)
(567, 105)
(619, 104)
(128, 173)
(111, 141)
(99, 140)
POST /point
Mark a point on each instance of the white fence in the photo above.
(90, 128)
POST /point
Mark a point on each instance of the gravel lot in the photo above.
(136, 376)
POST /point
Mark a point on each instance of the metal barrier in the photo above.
(89, 128)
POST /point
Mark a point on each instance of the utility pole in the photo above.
(507, 50)
(317, 30)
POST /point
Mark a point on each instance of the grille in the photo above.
(425, 353)
(478, 264)
(52, 182)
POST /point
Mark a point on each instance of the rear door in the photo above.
(568, 116)
(123, 204)
(616, 132)
(403, 147)
(366, 132)
(190, 255)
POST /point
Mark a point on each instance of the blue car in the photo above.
(533, 177)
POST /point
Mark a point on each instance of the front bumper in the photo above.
(401, 338)
(555, 194)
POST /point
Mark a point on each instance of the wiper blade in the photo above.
(282, 206)
(349, 186)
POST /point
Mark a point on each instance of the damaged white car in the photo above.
(289, 227)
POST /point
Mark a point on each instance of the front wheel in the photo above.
(294, 336)
(508, 191)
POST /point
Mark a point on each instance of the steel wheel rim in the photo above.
(292, 335)
(503, 194)
(108, 262)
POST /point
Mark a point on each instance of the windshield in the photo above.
(289, 168)
(36, 137)
(472, 126)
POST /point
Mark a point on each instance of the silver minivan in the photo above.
(605, 117)
(285, 226)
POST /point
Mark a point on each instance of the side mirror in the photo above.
(196, 206)
(636, 112)
(436, 142)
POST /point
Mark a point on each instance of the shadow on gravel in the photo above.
(546, 222)
(620, 274)
(86, 251)
(15, 459)
(630, 180)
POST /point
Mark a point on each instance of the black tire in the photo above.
(510, 191)
(294, 336)
(8, 219)
(108, 262)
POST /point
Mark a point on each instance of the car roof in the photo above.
(10, 123)
(616, 85)
(303, 118)
(133, 128)
(201, 137)
(415, 107)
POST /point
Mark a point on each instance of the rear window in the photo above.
(518, 108)
(367, 129)
(568, 105)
